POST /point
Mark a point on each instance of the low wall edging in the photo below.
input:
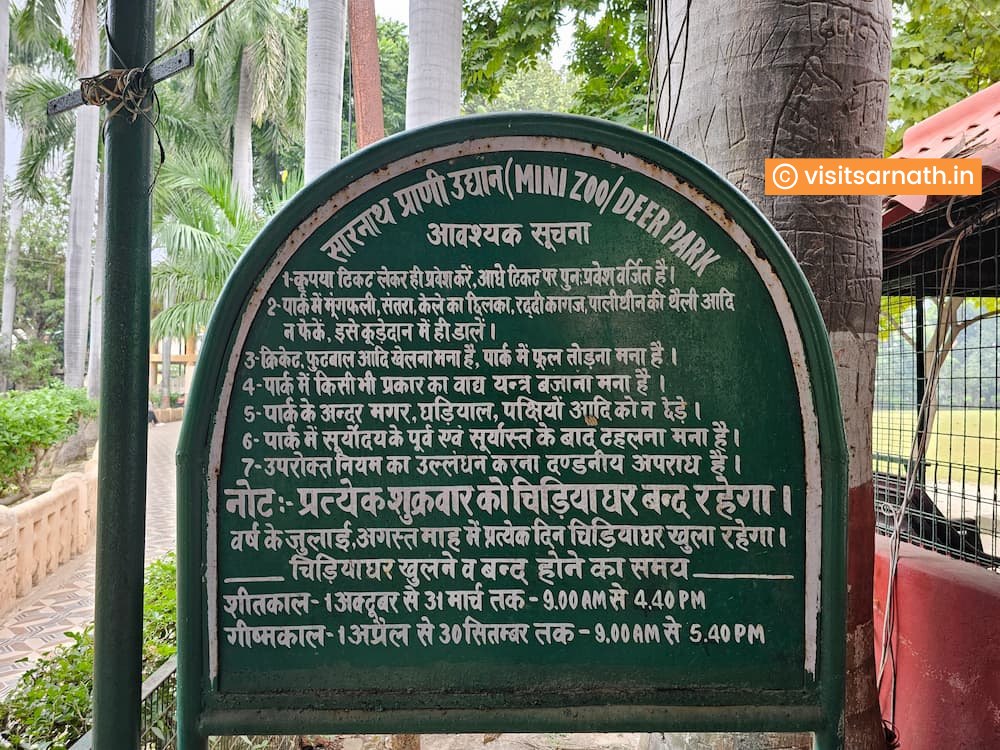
(39, 535)
(946, 651)
(175, 414)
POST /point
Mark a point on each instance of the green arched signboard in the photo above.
(521, 422)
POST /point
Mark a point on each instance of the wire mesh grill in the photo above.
(953, 507)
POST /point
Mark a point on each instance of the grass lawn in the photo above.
(961, 437)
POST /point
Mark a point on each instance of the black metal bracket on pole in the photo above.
(161, 71)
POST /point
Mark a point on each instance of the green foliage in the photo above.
(501, 39)
(203, 228)
(610, 59)
(38, 312)
(49, 708)
(609, 51)
(159, 613)
(542, 89)
(394, 51)
(36, 33)
(942, 52)
(969, 367)
(44, 138)
(32, 422)
(31, 364)
(42, 67)
(893, 315)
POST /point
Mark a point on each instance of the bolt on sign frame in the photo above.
(522, 423)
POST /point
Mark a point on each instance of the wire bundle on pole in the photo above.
(128, 87)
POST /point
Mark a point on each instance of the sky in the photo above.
(397, 10)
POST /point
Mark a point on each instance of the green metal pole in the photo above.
(121, 505)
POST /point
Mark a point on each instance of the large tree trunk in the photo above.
(324, 84)
(752, 79)
(434, 79)
(366, 72)
(242, 125)
(82, 204)
(10, 281)
(97, 298)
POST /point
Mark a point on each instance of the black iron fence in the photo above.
(936, 433)
(158, 727)
(158, 730)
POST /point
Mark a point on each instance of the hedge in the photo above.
(32, 422)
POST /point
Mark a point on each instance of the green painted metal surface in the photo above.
(121, 501)
(514, 422)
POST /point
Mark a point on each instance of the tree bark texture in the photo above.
(366, 73)
(242, 125)
(83, 203)
(325, 41)
(97, 296)
(434, 78)
(744, 80)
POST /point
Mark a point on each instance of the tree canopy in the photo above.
(609, 54)
(942, 51)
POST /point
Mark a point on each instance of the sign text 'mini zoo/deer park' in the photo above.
(522, 422)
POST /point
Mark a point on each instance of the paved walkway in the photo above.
(65, 600)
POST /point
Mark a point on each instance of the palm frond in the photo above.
(182, 319)
(43, 138)
(36, 33)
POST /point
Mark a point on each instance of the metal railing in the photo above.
(158, 723)
(158, 728)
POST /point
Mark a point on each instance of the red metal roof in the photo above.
(970, 128)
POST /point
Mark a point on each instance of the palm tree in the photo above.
(83, 200)
(38, 43)
(251, 70)
(203, 226)
(433, 87)
(324, 84)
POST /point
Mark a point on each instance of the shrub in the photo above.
(32, 422)
(30, 364)
(159, 613)
(49, 708)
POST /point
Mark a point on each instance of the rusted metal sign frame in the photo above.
(818, 707)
